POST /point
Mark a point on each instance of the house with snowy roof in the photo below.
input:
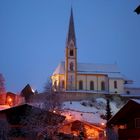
(71, 76)
(126, 122)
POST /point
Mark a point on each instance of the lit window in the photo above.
(115, 84)
(80, 85)
(91, 85)
(102, 85)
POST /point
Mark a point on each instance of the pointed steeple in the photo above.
(71, 31)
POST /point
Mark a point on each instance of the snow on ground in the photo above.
(75, 105)
(2, 107)
(83, 116)
(89, 111)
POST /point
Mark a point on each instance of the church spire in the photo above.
(71, 57)
(71, 31)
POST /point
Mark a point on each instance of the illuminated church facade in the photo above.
(71, 76)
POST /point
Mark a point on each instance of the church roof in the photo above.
(99, 68)
(60, 68)
(111, 70)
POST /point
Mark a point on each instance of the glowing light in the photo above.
(103, 124)
(54, 111)
(33, 90)
(10, 100)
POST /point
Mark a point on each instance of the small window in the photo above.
(80, 85)
(102, 85)
(71, 52)
(115, 84)
(91, 85)
(128, 92)
(137, 123)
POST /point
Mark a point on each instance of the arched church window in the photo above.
(91, 85)
(115, 84)
(102, 85)
(80, 85)
(63, 83)
(55, 84)
(71, 53)
(71, 66)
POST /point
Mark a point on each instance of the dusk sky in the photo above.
(33, 35)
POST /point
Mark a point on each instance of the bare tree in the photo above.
(48, 86)
(2, 84)
(52, 102)
(36, 120)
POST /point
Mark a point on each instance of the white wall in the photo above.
(120, 86)
(97, 79)
(130, 90)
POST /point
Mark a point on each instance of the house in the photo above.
(126, 122)
(27, 92)
(10, 99)
(77, 128)
(137, 10)
(74, 130)
(26, 121)
(13, 99)
(71, 75)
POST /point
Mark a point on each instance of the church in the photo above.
(72, 76)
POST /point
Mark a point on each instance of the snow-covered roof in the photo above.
(60, 68)
(99, 68)
(132, 86)
(2, 107)
(111, 70)
(131, 107)
(136, 100)
(131, 95)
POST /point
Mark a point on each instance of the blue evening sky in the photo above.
(33, 35)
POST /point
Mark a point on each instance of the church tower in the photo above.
(71, 57)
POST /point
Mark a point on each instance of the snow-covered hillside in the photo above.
(89, 111)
